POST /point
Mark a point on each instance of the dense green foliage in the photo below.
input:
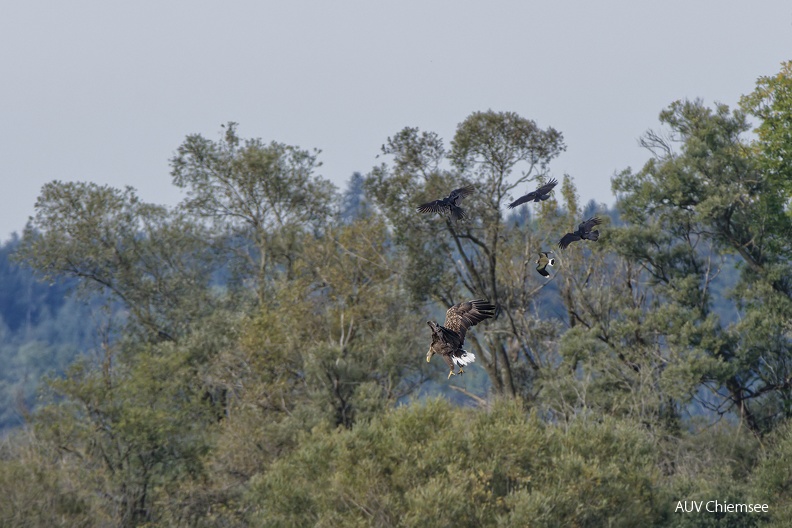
(266, 364)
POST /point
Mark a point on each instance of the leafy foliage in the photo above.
(260, 357)
(482, 258)
(434, 465)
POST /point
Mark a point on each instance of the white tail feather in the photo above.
(466, 358)
(551, 263)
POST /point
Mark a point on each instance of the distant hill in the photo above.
(42, 329)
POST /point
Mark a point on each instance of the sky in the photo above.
(105, 92)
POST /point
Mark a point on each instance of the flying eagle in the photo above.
(540, 194)
(543, 261)
(583, 232)
(450, 204)
(447, 340)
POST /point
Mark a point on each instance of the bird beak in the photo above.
(429, 355)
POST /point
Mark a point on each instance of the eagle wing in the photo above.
(462, 316)
(568, 239)
(452, 337)
(437, 206)
(533, 195)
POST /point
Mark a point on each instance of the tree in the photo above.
(434, 465)
(483, 257)
(354, 203)
(688, 207)
(336, 339)
(257, 193)
(152, 260)
(771, 102)
(140, 427)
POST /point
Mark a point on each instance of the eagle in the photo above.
(540, 194)
(543, 261)
(583, 232)
(447, 340)
(451, 203)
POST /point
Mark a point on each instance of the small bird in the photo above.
(447, 340)
(583, 232)
(540, 194)
(543, 261)
(450, 204)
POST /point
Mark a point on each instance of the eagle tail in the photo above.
(465, 358)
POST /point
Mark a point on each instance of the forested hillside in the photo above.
(42, 330)
(267, 363)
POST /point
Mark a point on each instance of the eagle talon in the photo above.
(452, 373)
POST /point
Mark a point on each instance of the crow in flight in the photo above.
(584, 232)
(540, 194)
(450, 204)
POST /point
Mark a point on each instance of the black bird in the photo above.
(447, 340)
(543, 261)
(583, 232)
(450, 204)
(540, 194)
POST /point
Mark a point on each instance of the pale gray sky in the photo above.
(104, 92)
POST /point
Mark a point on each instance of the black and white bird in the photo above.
(447, 340)
(449, 204)
(543, 261)
(584, 232)
(540, 194)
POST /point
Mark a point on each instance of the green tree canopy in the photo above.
(262, 194)
(152, 260)
(483, 257)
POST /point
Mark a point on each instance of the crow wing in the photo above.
(437, 206)
(533, 195)
(586, 226)
(568, 239)
(457, 212)
(461, 193)
(462, 316)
